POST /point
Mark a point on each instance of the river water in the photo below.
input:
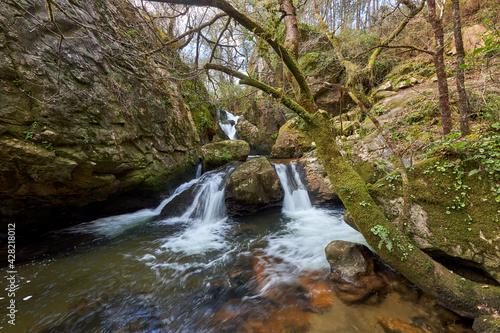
(200, 271)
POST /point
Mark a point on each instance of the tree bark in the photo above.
(444, 102)
(291, 27)
(460, 76)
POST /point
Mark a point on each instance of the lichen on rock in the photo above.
(253, 186)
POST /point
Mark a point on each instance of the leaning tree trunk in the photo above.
(460, 76)
(444, 102)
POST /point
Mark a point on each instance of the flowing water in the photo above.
(200, 271)
(227, 122)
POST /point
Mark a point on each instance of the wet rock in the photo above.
(260, 141)
(352, 271)
(393, 325)
(253, 186)
(318, 184)
(219, 153)
(292, 142)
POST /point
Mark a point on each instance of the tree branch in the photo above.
(189, 32)
(276, 93)
(258, 31)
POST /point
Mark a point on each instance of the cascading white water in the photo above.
(207, 217)
(308, 231)
(227, 122)
(208, 204)
(113, 226)
(296, 197)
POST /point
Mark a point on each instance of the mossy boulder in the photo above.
(454, 216)
(253, 186)
(370, 157)
(219, 153)
(487, 324)
(260, 142)
(292, 141)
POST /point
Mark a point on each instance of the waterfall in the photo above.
(208, 203)
(199, 170)
(205, 217)
(296, 197)
(210, 198)
(227, 122)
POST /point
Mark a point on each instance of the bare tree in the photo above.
(460, 76)
(435, 20)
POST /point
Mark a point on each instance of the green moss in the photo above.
(204, 113)
(467, 231)
(366, 171)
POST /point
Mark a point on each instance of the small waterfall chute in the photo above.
(296, 196)
(227, 122)
(206, 216)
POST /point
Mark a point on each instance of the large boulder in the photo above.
(352, 270)
(318, 184)
(216, 154)
(292, 141)
(260, 142)
(83, 121)
(254, 185)
(454, 216)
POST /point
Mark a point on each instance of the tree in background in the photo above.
(435, 20)
(460, 76)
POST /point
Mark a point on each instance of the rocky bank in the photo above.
(87, 116)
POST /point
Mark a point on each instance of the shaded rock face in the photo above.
(291, 142)
(466, 240)
(86, 119)
(318, 184)
(219, 153)
(260, 142)
(352, 270)
(254, 185)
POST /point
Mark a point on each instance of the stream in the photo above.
(200, 271)
(185, 266)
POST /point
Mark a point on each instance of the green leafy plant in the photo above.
(31, 132)
(383, 234)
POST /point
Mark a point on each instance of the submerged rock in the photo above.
(352, 270)
(254, 185)
(219, 153)
(291, 142)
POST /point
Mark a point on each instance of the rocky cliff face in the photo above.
(85, 115)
